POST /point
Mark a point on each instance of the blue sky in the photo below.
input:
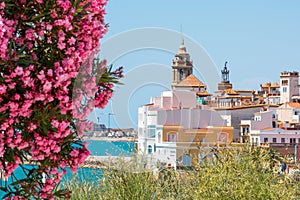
(259, 39)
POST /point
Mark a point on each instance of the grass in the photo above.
(233, 174)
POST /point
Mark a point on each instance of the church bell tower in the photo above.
(182, 66)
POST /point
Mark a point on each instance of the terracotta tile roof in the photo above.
(203, 93)
(149, 104)
(294, 105)
(230, 97)
(275, 85)
(231, 91)
(245, 91)
(244, 125)
(190, 81)
(268, 129)
(266, 85)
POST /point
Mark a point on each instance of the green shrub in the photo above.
(245, 173)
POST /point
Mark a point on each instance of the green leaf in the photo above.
(76, 3)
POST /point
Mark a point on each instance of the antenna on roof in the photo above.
(182, 38)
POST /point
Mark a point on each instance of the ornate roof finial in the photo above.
(182, 47)
(225, 73)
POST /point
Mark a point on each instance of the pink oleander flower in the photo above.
(19, 71)
(2, 89)
(29, 34)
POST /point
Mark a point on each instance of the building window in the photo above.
(284, 89)
(141, 132)
(222, 137)
(154, 148)
(181, 74)
(298, 140)
(265, 140)
(292, 140)
(151, 133)
(257, 118)
(159, 137)
(149, 149)
(274, 140)
(172, 137)
(284, 82)
(282, 140)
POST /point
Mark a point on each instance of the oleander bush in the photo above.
(49, 83)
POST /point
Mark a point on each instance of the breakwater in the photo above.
(104, 162)
(97, 162)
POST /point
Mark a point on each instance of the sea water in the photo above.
(97, 148)
(106, 148)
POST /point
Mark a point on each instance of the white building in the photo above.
(261, 130)
(148, 123)
(261, 120)
(171, 125)
(289, 86)
(289, 114)
(275, 136)
(234, 115)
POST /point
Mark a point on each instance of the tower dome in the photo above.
(182, 49)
